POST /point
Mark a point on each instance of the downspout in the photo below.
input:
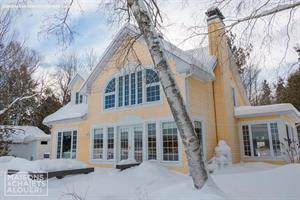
(215, 112)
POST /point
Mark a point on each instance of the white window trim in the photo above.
(56, 143)
(252, 157)
(180, 146)
(142, 123)
(104, 160)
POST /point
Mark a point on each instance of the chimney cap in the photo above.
(214, 12)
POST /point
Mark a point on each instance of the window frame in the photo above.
(249, 124)
(61, 142)
(103, 143)
(110, 93)
(144, 88)
(179, 147)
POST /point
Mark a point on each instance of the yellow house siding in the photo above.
(201, 104)
(226, 79)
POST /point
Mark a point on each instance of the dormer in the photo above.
(74, 87)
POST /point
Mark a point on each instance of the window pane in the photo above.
(80, 99)
(246, 140)
(139, 87)
(66, 144)
(74, 144)
(170, 142)
(126, 101)
(152, 141)
(198, 130)
(151, 76)
(98, 144)
(260, 137)
(124, 144)
(138, 144)
(77, 98)
(110, 101)
(121, 91)
(58, 145)
(132, 89)
(111, 86)
(110, 143)
(153, 93)
(275, 139)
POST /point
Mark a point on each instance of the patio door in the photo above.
(131, 143)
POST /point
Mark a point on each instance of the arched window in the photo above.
(132, 89)
(152, 86)
(110, 96)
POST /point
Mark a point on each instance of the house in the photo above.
(29, 142)
(120, 113)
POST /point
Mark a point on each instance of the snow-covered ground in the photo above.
(150, 181)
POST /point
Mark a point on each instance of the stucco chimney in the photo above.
(215, 29)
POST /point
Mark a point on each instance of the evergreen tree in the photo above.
(280, 91)
(265, 96)
(292, 93)
(47, 104)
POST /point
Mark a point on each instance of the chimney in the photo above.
(215, 29)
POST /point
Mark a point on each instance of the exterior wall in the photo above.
(226, 79)
(97, 116)
(41, 149)
(201, 106)
(24, 150)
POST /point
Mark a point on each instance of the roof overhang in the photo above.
(267, 110)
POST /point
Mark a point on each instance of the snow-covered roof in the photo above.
(81, 74)
(26, 134)
(69, 111)
(187, 62)
(252, 111)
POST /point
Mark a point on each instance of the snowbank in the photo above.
(9, 162)
(278, 183)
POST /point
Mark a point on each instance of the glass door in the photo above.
(138, 143)
(131, 143)
(124, 144)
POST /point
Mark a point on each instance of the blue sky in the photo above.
(92, 31)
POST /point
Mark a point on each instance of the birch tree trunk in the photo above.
(169, 85)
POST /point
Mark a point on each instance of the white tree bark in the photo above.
(175, 100)
(14, 102)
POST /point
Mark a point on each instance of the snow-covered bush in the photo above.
(222, 157)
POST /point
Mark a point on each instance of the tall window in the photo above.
(259, 138)
(139, 87)
(234, 97)
(151, 141)
(152, 86)
(66, 144)
(109, 97)
(170, 141)
(132, 88)
(199, 132)
(275, 139)
(246, 140)
(78, 98)
(135, 88)
(110, 143)
(98, 143)
(126, 92)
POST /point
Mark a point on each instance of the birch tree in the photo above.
(184, 123)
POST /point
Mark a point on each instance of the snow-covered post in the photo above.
(169, 85)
